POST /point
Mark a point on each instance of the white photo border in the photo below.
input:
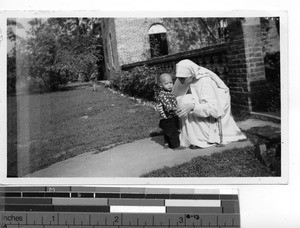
(283, 179)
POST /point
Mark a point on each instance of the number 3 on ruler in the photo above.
(180, 219)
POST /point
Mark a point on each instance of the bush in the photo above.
(35, 85)
(11, 84)
(11, 74)
(138, 82)
(272, 67)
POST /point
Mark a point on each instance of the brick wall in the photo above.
(213, 57)
(183, 34)
(133, 40)
(239, 62)
(255, 62)
(237, 68)
(247, 79)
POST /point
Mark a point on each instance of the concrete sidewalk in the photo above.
(136, 158)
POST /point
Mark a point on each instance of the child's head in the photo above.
(165, 81)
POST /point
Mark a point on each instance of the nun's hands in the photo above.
(185, 109)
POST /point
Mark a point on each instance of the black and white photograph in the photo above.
(197, 97)
(157, 97)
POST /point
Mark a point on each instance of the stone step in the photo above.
(269, 116)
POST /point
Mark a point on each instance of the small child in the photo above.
(167, 106)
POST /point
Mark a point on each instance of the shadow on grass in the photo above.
(73, 86)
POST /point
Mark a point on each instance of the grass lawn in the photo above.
(46, 128)
(230, 163)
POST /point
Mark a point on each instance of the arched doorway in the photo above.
(158, 40)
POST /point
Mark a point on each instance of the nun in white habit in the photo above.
(205, 112)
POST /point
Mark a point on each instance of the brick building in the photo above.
(128, 40)
(234, 48)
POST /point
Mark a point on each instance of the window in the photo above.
(222, 30)
(158, 40)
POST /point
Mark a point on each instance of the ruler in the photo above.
(111, 207)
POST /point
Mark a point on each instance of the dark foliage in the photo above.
(56, 50)
(139, 82)
(272, 67)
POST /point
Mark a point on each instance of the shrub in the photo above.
(11, 73)
(272, 68)
(138, 82)
(11, 84)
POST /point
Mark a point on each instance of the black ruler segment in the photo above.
(33, 194)
(23, 207)
(82, 194)
(28, 200)
(10, 194)
(83, 189)
(207, 196)
(157, 196)
(228, 197)
(108, 207)
(82, 208)
(51, 208)
(108, 195)
(133, 195)
(57, 194)
(181, 196)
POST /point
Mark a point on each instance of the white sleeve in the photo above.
(206, 101)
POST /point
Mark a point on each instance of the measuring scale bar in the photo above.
(28, 207)
(63, 219)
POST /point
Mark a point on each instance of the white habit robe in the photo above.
(200, 127)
